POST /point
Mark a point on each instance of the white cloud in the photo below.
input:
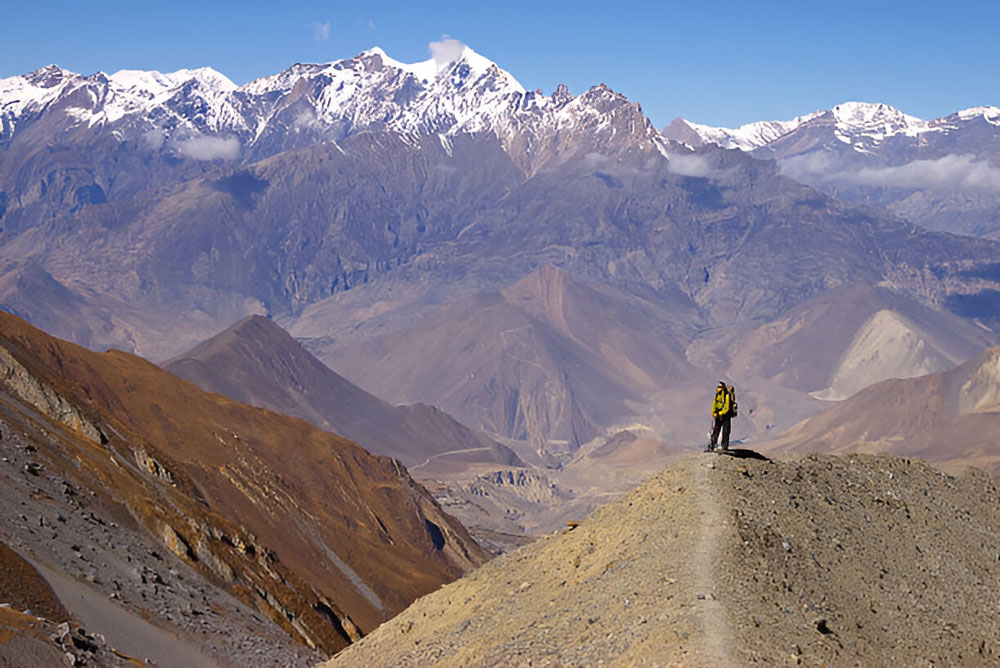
(951, 172)
(594, 161)
(153, 138)
(692, 165)
(320, 31)
(446, 51)
(809, 166)
(208, 148)
(371, 23)
(304, 120)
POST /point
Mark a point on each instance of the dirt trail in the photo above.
(123, 630)
(713, 531)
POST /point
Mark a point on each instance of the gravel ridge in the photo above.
(861, 560)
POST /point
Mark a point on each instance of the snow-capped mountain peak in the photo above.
(859, 124)
(154, 83)
(32, 92)
(746, 137)
(455, 91)
(458, 60)
(989, 114)
(424, 71)
(876, 120)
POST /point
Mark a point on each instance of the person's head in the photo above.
(722, 384)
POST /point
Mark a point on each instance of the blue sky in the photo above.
(720, 63)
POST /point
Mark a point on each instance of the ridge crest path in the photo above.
(634, 583)
(718, 561)
(707, 557)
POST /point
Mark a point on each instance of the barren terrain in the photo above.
(728, 561)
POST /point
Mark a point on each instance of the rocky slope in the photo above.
(258, 363)
(723, 561)
(240, 531)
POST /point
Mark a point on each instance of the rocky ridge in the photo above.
(729, 561)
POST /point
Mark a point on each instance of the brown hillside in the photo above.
(721, 561)
(302, 524)
(951, 418)
(23, 588)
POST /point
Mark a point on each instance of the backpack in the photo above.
(732, 401)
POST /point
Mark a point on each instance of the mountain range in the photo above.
(522, 300)
(351, 200)
(942, 174)
(950, 418)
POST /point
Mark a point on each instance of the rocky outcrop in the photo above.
(528, 484)
(24, 385)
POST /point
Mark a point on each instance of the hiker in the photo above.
(723, 411)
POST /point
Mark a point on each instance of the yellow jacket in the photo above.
(721, 407)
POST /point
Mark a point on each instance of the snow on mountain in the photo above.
(855, 123)
(101, 100)
(746, 137)
(875, 121)
(466, 94)
(152, 84)
(455, 91)
(20, 94)
(989, 114)
(941, 174)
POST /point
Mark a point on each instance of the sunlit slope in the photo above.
(305, 525)
(721, 561)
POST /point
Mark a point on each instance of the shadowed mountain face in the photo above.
(303, 526)
(257, 362)
(950, 417)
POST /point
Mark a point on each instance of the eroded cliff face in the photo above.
(324, 539)
(19, 381)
